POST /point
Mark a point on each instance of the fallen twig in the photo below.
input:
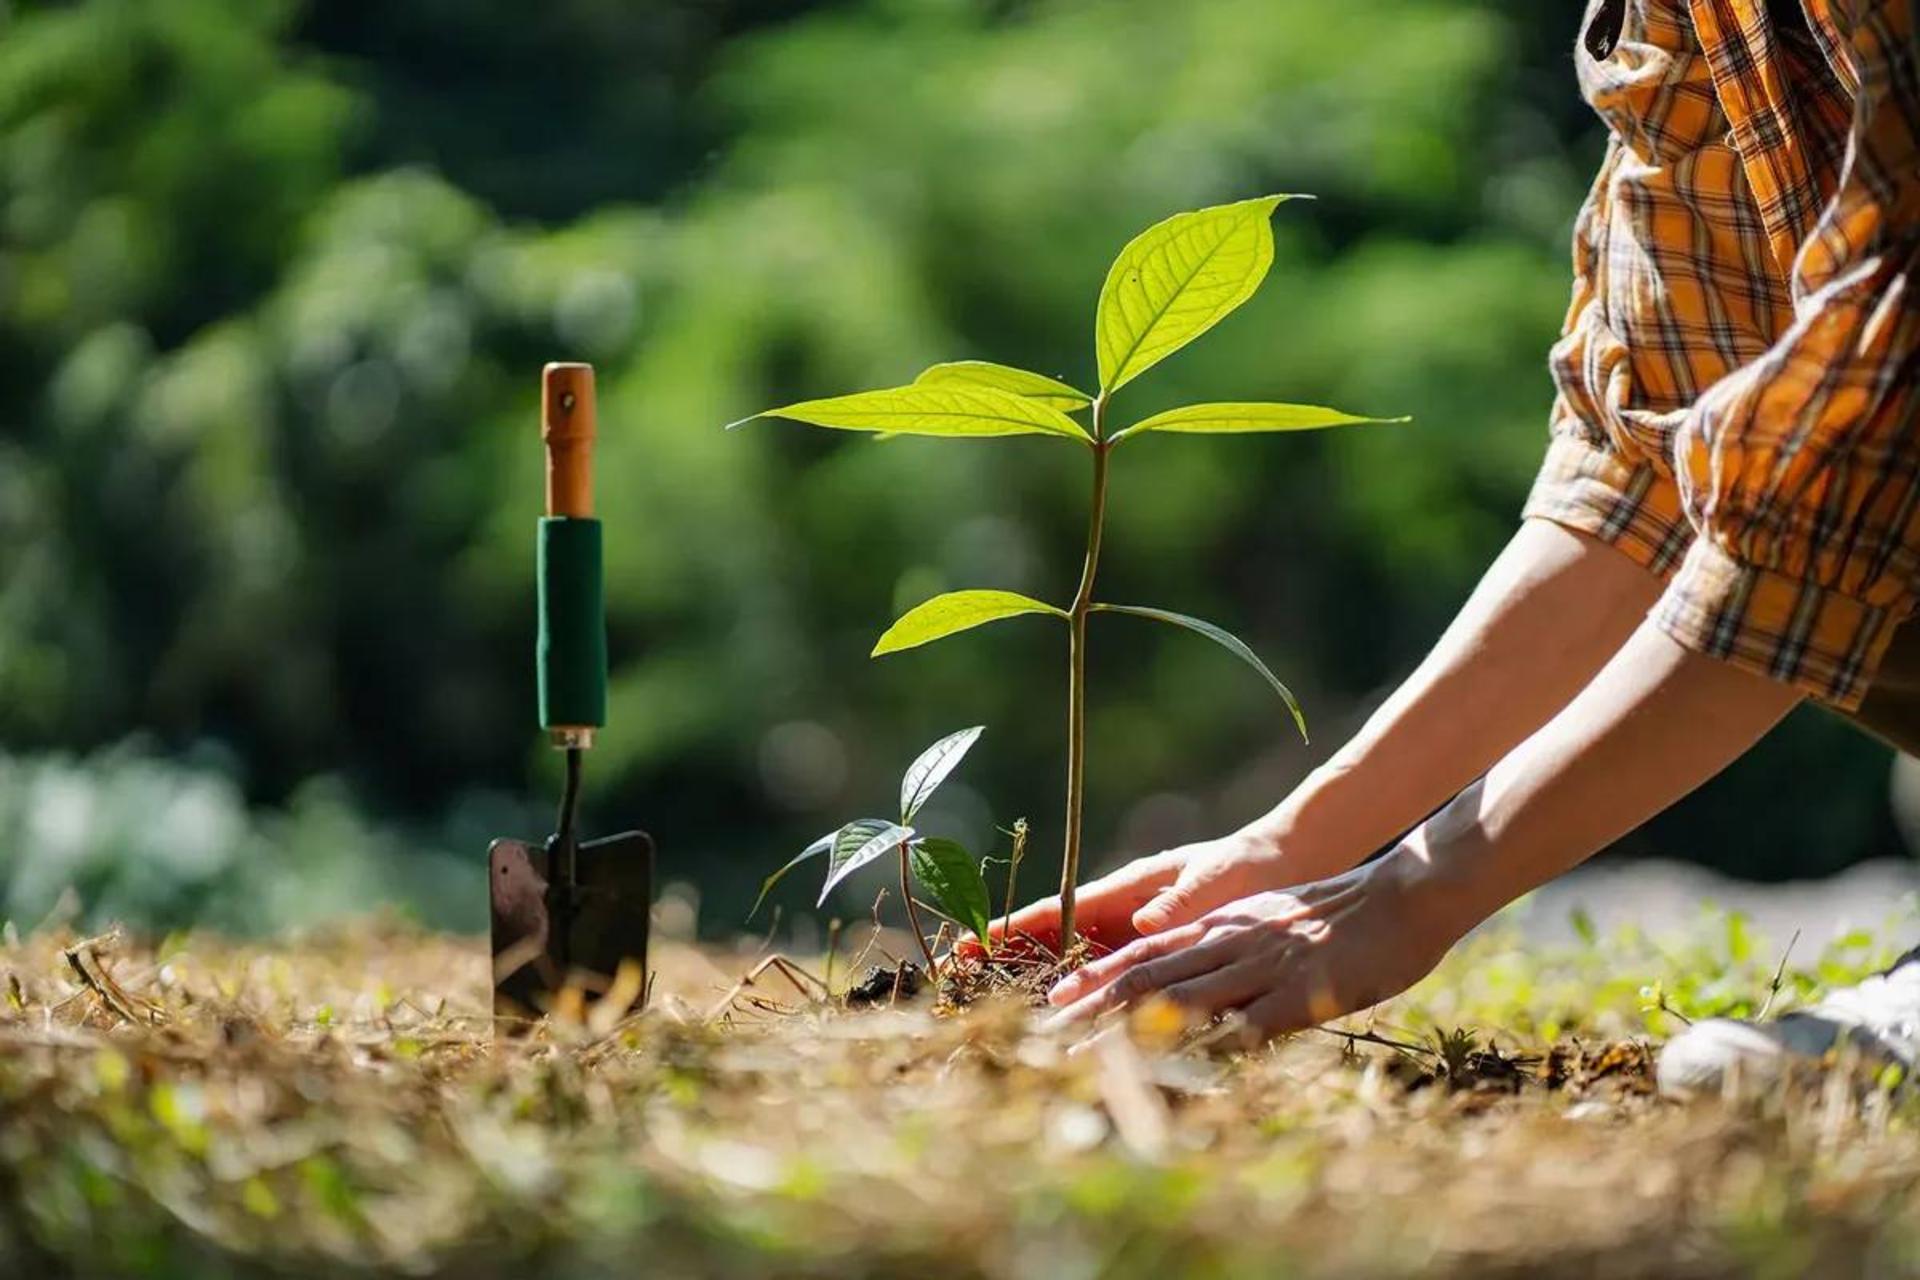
(81, 958)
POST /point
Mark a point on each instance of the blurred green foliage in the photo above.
(125, 835)
(276, 280)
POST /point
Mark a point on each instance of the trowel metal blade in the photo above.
(533, 961)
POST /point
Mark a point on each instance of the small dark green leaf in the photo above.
(1225, 639)
(924, 776)
(857, 844)
(951, 876)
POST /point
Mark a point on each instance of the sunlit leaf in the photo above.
(813, 850)
(951, 876)
(1002, 377)
(1176, 280)
(857, 844)
(1236, 418)
(924, 776)
(937, 410)
(1226, 640)
(956, 611)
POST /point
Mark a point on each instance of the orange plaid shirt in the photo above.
(1739, 375)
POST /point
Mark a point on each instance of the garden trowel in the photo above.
(569, 916)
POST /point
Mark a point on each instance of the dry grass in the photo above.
(333, 1104)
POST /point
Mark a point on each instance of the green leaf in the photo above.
(951, 876)
(956, 611)
(1239, 418)
(1583, 926)
(938, 410)
(1176, 280)
(813, 850)
(857, 844)
(924, 776)
(1002, 377)
(1226, 640)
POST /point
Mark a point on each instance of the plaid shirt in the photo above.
(1739, 376)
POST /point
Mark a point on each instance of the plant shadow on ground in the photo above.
(334, 1104)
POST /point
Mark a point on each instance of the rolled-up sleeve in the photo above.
(1800, 472)
(1588, 482)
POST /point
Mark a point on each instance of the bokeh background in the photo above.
(277, 279)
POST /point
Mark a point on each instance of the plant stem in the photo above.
(833, 945)
(1019, 837)
(913, 914)
(1077, 679)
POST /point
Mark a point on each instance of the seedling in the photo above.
(1171, 284)
(949, 874)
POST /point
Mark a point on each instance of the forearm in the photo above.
(1655, 723)
(1548, 614)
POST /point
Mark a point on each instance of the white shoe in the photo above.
(1879, 1018)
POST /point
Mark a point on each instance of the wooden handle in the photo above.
(567, 426)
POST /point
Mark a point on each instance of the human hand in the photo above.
(1154, 893)
(1285, 960)
(1103, 908)
(1213, 873)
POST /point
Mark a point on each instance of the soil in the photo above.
(336, 1104)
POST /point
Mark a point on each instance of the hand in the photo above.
(1155, 893)
(1285, 960)
(1104, 908)
(1213, 873)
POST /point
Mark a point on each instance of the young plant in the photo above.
(1171, 284)
(950, 875)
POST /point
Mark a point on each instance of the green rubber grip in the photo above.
(572, 649)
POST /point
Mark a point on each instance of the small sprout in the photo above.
(1654, 998)
(944, 869)
(1456, 1049)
